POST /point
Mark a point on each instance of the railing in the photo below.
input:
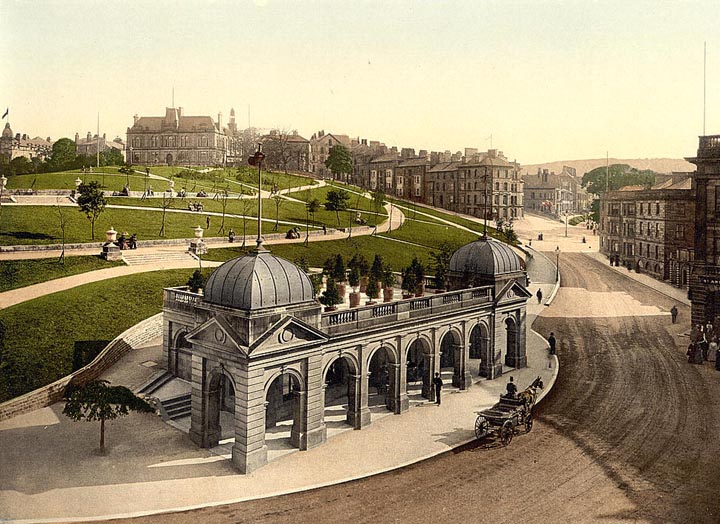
(357, 319)
(709, 147)
(181, 298)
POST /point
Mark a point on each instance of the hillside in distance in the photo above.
(659, 165)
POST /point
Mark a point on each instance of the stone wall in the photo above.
(137, 335)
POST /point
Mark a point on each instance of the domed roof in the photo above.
(485, 257)
(256, 281)
(7, 132)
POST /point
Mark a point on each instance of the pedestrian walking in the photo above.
(438, 383)
(324, 230)
(552, 342)
(674, 313)
(539, 295)
(712, 350)
(207, 221)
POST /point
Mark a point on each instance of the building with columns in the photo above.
(257, 349)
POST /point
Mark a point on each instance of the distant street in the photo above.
(629, 433)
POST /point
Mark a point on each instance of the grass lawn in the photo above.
(20, 273)
(113, 181)
(44, 335)
(22, 225)
(428, 234)
(315, 253)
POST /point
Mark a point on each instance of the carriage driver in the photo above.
(511, 389)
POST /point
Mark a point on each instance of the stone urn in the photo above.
(388, 293)
(354, 299)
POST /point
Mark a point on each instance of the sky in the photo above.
(540, 80)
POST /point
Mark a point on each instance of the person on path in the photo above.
(539, 295)
(552, 342)
(713, 349)
(438, 383)
(324, 230)
(674, 314)
(511, 389)
(207, 221)
(231, 236)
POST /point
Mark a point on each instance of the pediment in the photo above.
(217, 333)
(513, 291)
(288, 333)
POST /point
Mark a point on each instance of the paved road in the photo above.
(629, 434)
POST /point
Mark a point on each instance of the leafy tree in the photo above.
(620, 175)
(378, 197)
(338, 270)
(21, 166)
(337, 200)
(278, 149)
(279, 200)
(331, 296)
(196, 281)
(377, 268)
(340, 162)
(111, 157)
(63, 156)
(413, 276)
(97, 400)
(388, 277)
(359, 262)
(92, 202)
(354, 277)
(127, 170)
(313, 206)
(441, 263)
(373, 291)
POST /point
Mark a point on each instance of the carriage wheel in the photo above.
(506, 433)
(528, 423)
(482, 427)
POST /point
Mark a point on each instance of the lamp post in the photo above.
(557, 263)
(566, 222)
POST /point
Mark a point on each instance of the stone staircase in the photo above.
(135, 257)
(176, 407)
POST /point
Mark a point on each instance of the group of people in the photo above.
(125, 242)
(704, 345)
(293, 233)
(195, 206)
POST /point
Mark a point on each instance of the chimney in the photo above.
(219, 121)
(180, 111)
(77, 137)
(104, 137)
(135, 119)
(89, 136)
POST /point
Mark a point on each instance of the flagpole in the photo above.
(97, 142)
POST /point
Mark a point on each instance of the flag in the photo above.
(7, 110)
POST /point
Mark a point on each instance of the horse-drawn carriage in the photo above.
(508, 414)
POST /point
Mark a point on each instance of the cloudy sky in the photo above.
(548, 80)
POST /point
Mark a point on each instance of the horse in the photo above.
(531, 392)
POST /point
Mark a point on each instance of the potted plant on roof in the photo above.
(373, 289)
(354, 281)
(359, 261)
(441, 261)
(339, 275)
(377, 270)
(409, 282)
(418, 270)
(388, 283)
(330, 297)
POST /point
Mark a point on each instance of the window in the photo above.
(679, 231)
(642, 208)
(657, 208)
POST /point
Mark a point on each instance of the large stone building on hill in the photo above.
(17, 145)
(177, 139)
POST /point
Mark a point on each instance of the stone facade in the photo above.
(89, 145)
(554, 194)
(287, 361)
(651, 230)
(17, 145)
(705, 277)
(320, 145)
(176, 139)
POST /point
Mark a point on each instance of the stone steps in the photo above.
(135, 258)
(177, 407)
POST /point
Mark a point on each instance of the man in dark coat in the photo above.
(438, 383)
(511, 389)
(552, 343)
(674, 313)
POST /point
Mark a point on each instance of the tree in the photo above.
(279, 200)
(331, 296)
(247, 205)
(340, 162)
(413, 276)
(63, 224)
(277, 148)
(619, 175)
(313, 206)
(338, 270)
(92, 202)
(127, 170)
(166, 203)
(223, 203)
(378, 197)
(196, 281)
(441, 263)
(21, 166)
(111, 157)
(97, 400)
(63, 156)
(337, 200)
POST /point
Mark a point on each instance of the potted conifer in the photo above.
(373, 289)
(388, 283)
(339, 276)
(330, 297)
(354, 281)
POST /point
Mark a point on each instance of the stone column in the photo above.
(397, 400)
(308, 425)
(485, 354)
(427, 390)
(250, 452)
(494, 368)
(461, 376)
(203, 431)
(518, 357)
(358, 414)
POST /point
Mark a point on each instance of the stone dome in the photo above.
(257, 281)
(485, 257)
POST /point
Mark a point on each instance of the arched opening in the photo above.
(419, 364)
(169, 159)
(479, 350)
(180, 356)
(341, 396)
(381, 380)
(221, 408)
(512, 341)
(451, 359)
(282, 413)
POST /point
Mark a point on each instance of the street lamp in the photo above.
(566, 222)
(557, 263)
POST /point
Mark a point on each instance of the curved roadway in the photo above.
(630, 433)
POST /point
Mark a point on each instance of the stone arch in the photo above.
(639, 266)
(420, 364)
(284, 391)
(452, 355)
(341, 393)
(220, 398)
(512, 341)
(180, 356)
(169, 159)
(480, 348)
(383, 366)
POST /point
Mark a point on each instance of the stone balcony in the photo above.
(709, 147)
